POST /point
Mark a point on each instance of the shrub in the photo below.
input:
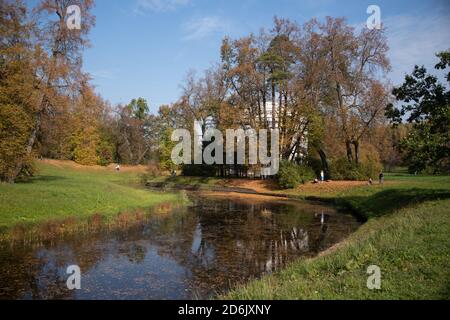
(105, 152)
(342, 169)
(291, 175)
(85, 154)
(370, 168)
(153, 170)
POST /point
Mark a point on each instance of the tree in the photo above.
(41, 68)
(18, 95)
(425, 103)
(139, 108)
(86, 135)
(166, 146)
(354, 98)
(264, 91)
(386, 140)
(134, 132)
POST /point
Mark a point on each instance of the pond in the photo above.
(193, 252)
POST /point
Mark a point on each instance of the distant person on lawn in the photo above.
(381, 177)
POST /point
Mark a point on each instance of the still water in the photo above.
(193, 252)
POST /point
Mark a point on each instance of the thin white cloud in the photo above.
(160, 5)
(105, 74)
(197, 29)
(414, 40)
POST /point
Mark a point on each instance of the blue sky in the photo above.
(145, 48)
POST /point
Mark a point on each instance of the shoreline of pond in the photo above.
(54, 228)
(338, 203)
(296, 226)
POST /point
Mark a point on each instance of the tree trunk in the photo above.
(281, 117)
(356, 145)
(265, 109)
(273, 105)
(259, 112)
(348, 145)
(323, 158)
(141, 156)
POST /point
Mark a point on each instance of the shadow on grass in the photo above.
(387, 201)
(181, 182)
(43, 179)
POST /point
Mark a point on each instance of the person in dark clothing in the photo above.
(381, 177)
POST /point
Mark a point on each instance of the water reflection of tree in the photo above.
(136, 253)
(25, 275)
(38, 271)
(235, 241)
(219, 243)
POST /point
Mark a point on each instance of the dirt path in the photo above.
(242, 196)
(261, 186)
(268, 186)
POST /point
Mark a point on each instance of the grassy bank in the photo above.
(62, 189)
(167, 182)
(407, 235)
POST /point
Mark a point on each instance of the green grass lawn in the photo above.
(63, 190)
(407, 234)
